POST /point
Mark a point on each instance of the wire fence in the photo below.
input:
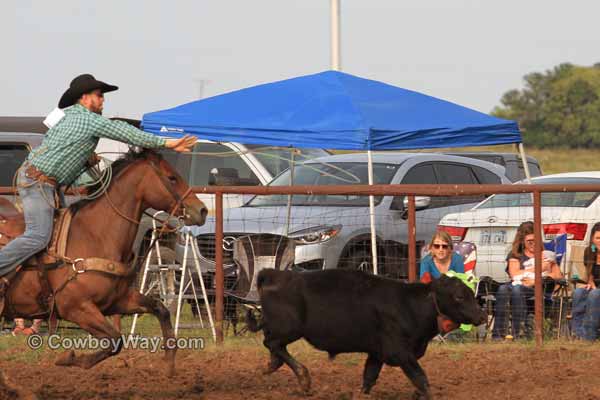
(306, 228)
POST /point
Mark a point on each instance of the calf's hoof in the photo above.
(66, 359)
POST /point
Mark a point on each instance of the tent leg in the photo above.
(524, 160)
(372, 216)
(289, 199)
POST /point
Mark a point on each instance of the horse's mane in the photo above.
(117, 167)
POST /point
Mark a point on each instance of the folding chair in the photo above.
(558, 297)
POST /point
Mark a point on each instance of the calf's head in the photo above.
(456, 301)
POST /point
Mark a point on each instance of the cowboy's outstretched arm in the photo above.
(123, 132)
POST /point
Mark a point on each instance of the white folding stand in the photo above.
(183, 286)
(190, 241)
(160, 271)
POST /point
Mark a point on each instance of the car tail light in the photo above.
(457, 233)
(573, 231)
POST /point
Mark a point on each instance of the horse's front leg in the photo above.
(136, 303)
(91, 319)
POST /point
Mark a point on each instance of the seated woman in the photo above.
(440, 259)
(520, 268)
(586, 300)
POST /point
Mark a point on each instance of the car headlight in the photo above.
(318, 234)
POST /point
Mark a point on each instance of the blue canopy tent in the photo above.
(334, 110)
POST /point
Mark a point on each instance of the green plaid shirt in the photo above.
(70, 143)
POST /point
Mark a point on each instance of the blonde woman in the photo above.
(440, 259)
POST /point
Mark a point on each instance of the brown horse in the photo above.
(104, 229)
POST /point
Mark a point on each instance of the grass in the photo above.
(16, 348)
(552, 161)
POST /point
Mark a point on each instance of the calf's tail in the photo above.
(252, 323)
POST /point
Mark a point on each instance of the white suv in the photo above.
(493, 223)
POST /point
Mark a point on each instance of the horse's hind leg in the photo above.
(136, 303)
(89, 317)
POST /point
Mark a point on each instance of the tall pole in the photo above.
(537, 231)
(412, 239)
(336, 64)
(525, 163)
(372, 215)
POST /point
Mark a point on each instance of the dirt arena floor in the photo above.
(456, 371)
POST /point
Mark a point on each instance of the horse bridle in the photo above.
(167, 186)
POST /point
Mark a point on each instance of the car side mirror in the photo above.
(223, 177)
(421, 203)
(401, 203)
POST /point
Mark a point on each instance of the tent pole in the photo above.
(525, 163)
(372, 215)
(335, 35)
(289, 199)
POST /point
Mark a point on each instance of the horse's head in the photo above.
(164, 189)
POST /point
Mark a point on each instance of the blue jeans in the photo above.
(517, 297)
(38, 207)
(586, 313)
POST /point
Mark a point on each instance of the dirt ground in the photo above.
(456, 371)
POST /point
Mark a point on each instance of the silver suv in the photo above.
(18, 136)
(334, 231)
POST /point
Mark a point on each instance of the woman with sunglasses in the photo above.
(440, 259)
(520, 268)
(586, 299)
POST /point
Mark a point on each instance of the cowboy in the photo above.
(61, 158)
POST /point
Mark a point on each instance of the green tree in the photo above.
(560, 107)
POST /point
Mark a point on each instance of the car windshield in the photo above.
(550, 199)
(343, 173)
(277, 159)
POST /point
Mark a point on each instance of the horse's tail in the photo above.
(252, 322)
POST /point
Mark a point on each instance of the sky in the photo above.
(165, 53)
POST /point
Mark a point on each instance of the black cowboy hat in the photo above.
(81, 85)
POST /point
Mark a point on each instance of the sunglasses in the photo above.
(441, 246)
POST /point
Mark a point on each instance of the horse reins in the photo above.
(164, 223)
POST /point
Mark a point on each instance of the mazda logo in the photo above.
(228, 242)
(491, 220)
